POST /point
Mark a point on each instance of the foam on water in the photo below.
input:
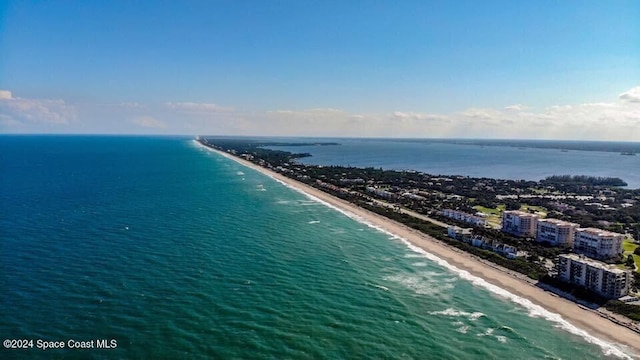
(458, 313)
(463, 329)
(421, 285)
(378, 286)
(534, 310)
(608, 348)
(502, 339)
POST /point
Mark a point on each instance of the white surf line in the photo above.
(608, 348)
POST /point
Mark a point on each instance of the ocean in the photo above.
(502, 162)
(176, 252)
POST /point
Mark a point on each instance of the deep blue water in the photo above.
(176, 252)
(502, 162)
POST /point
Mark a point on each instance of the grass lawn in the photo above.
(537, 209)
(495, 214)
(489, 211)
(629, 247)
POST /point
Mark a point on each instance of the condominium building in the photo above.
(598, 243)
(459, 233)
(464, 217)
(605, 280)
(519, 223)
(556, 232)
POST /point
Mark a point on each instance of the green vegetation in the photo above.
(632, 249)
(532, 269)
(584, 180)
(494, 214)
(533, 208)
(491, 211)
(628, 310)
(618, 307)
(629, 246)
(589, 201)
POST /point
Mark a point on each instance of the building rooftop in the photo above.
(520, 213)
(599, 232)
(558, 222)
(597, 264)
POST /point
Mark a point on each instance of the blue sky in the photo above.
(326, 68)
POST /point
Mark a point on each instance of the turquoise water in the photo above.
(177, 252)
(500, 162)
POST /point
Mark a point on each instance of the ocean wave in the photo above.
(502, 339)
(421, 285)
(378, 286)
(458, 313)
(609, 349)
(463, 329)
(490, 333)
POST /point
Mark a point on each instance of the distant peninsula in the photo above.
(624, 148)
(588, 200)
(469, 223)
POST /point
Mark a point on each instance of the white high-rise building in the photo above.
(598, 243)
(605, 280)
(556, 232)
(519, 223)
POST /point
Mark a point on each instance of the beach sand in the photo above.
(580, 317)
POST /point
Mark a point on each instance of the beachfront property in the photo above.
(605, 280)
(356, 181)
(466, 235)
(519, 223)
(556, 232)
(505, 250)
(464, 217)
(458, 233)
(598, 243)
(381, 192)
(413, 196)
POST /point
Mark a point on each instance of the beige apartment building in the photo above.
(598, 243)
(556, 232)
(519, 223)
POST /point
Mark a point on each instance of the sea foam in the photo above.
(608, 348)
(458, 313)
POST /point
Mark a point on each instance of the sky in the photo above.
(420, 69)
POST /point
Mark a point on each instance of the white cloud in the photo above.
(16, 110)
(309, 113)
(516, 107)
(149, 122)
(130, 105)
(419, 116)
(617, 119)
(614, 120)
(197, 108)
(5, 94)
(633, 95)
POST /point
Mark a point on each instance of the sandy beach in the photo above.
(582, 318)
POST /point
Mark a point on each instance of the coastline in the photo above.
(586, 320)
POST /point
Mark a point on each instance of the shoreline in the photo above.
(595, 326)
